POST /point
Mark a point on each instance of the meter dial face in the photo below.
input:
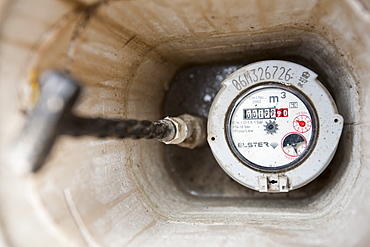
(294, 144)
(271, 127)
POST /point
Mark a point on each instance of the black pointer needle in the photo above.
(294, 145)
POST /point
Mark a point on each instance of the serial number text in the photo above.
(262, 74)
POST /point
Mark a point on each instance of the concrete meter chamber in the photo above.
(146, 60)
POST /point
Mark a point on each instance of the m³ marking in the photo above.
(274, 99)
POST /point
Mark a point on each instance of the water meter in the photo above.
(273, 126)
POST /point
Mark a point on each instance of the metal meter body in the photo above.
(273, 127)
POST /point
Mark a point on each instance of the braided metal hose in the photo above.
(53, 116)
(163, 130)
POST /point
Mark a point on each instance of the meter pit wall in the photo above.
(136, 59)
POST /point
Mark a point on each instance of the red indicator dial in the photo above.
(302, 123)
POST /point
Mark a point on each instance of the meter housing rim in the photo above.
(329, 128)
(299, 94)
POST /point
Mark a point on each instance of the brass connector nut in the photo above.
(181, 128)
